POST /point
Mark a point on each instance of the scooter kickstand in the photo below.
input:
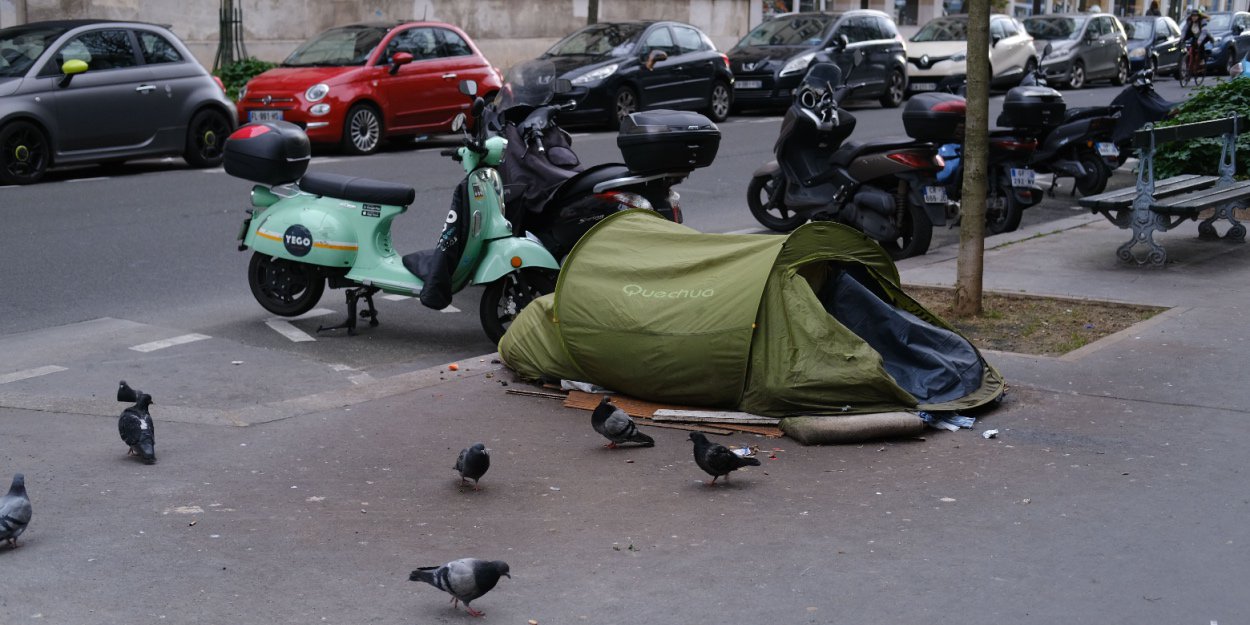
(353, 296)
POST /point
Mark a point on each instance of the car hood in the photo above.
(576, 64)
(762, 56)
(1058, 47)
(9, 85)
(300, 78)
(917, 49)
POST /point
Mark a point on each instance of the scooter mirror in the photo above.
(457, 122)
(1047, 50)
(478, 106)
(563, 85)
(468, 87)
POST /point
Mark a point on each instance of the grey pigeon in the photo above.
(14, 511)
(716, 459)
(465, 579)
(135, 425)
(473, 463)
(616, 426)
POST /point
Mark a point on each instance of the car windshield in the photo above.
(790, 30)
(943, 29)
(1055, 27)
(350, 45)
(20, 46)
(599, 40)
(1139, 30)
(1219, 22)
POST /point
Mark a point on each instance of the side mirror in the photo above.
(71, 67)
(457, 122)
(994, 39)
(399, 58)
(655, 56)
(469, 88)
(563, 85)
(841, 42)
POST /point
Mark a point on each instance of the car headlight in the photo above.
(242, 92)
(596, 75)
(798, 64)
(316, 92)
(1137, 53)
(960, 57)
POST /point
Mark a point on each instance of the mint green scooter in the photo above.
(310, 230)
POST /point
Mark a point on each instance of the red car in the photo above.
(356, 85)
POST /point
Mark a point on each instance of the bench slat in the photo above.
(1123, 198)
(1190, 203)
(1185, 132)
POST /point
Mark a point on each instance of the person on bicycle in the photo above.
(1195, 34)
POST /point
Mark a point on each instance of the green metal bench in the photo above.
(1158, 206)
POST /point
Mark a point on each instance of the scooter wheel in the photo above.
(1005, 217)
(284, 287)
(766, 199)
(504, 298)
(1095, 181)
(915, 234)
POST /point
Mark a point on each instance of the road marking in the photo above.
(170, 342)
(450, 309)
(746, 231)
(316, 312)
(89, 179)
(396, 298)
(284, 327)
(29, 373)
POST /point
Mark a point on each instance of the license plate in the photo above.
(1107, 149)
(1022, 177)
(264, 116)
(935, 195)
(923, 86)
(748, 84)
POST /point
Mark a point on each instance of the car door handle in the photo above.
(449, 76)
(145, 88)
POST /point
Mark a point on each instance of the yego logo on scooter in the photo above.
(297, 240)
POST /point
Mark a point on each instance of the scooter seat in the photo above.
(853, 149)
(584, 182)
(357, 189)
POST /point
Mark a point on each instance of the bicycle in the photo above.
(1194, 67)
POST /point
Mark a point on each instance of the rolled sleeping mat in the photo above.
(839, 430)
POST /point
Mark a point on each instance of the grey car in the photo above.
(1082, 48)
(95, 91)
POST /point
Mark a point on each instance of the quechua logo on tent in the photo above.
(634, 290)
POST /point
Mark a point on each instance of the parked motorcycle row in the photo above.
(527, 198)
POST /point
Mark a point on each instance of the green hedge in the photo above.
(1202, 156)
(235, 75)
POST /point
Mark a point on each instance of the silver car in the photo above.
(1078, 48)
(93, 91)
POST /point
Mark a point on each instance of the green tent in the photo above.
(809, 323)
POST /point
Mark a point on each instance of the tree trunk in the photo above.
(592, 11)
(971, 260)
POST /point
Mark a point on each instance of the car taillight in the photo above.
(912, 159)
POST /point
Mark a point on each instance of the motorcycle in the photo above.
(310, 230)
(1139, 104)
(549, 194)
(876, 186)
(1012, 185)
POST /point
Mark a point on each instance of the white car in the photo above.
(937, 55)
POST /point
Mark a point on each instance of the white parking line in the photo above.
(29, 373)
(316, 312)
(170, 342)
(395, 297)
(450, 309)
(89, 179)
(284, 327)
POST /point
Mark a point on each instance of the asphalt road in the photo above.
(153, 242)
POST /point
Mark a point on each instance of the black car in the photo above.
(1153, 42)
(619, 68)
(1231, 32)
(770, 61)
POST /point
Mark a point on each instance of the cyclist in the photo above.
(1195, 34)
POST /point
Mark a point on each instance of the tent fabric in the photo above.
(809, 323)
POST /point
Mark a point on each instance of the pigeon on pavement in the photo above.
(465, 579)
(616, 426)
(135, 425)
(473, 463)
(14, 511)
(716, 459)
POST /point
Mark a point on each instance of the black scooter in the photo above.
(549, 194)
(876, 186)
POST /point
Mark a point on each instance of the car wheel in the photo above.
(362, 130)
(893, 95)
(1076, 79)
(720, 102)
(25, 153)
(206, 138)
(625, 102)
(1121, 73)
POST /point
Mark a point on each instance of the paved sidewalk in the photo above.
(1114, 493)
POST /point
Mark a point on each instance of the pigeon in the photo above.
(616, 426)
(473, 463)
(135, 424)
(14, 511)
(716, 459)
(465, 579)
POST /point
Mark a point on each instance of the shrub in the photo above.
(1202, 156)
(235, 75)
